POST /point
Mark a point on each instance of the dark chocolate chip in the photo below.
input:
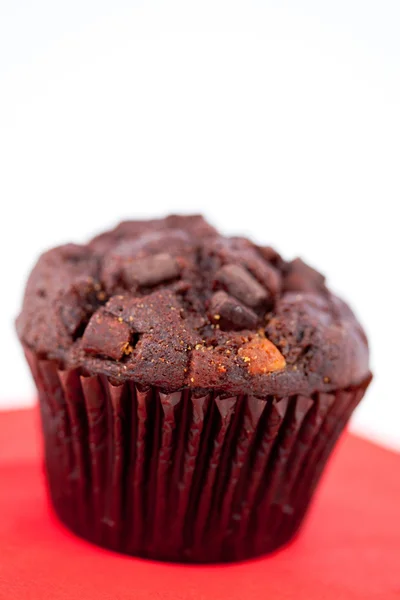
(72, 315)
(272, 279)
(240, 284)
(269, 254)
(107, 336)
(78, 302)
(151, 270)
(302, 278)
(229, 313)
(247, 255)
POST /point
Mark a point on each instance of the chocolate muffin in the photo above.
(191, 387)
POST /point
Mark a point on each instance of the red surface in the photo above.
(349, 547)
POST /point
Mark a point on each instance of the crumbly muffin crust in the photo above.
(172, 303)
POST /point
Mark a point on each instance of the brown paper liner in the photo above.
(179, 477)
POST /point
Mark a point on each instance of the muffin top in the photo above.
(172, 303)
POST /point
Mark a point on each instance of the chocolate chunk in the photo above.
(107, 336)
(240, 284)
(195, 225)
(72, 315)
(303, 278)
(229, 313)
(270, 255)
(241, 251)
(77, 304)
(272, 279)
(151, 270)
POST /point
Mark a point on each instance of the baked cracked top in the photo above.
(172, 303)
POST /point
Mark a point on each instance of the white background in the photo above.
(276, 119)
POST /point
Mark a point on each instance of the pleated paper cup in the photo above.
(183, 476)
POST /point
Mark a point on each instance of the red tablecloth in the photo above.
(349, 547)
